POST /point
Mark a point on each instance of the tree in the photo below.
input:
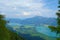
(3, 31)
(6, 34)
(57, 28)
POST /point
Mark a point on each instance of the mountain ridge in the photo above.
(35, 20)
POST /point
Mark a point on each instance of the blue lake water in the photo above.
(45, 30)
(40, 29)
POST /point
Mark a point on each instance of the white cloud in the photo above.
(26, 13)
(17, 15)
(25, 8)
(14, 8)
(2, 13)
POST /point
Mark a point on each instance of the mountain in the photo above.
(37, 20)
(40, 20)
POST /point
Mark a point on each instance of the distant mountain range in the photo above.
(37, 20)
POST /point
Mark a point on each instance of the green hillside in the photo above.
(6, 34)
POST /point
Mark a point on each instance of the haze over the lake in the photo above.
(28, 8)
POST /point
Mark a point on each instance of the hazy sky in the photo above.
(28, 8)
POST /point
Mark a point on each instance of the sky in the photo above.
(28, 8)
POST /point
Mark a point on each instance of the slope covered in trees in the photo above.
(6, 34)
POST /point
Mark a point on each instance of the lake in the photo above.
(39, 32)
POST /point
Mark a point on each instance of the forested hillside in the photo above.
(6, 34)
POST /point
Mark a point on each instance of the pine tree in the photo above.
(57, 28)
(6, 34)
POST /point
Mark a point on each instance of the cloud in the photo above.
(26, 13)
(2, 13)
(25, 8)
